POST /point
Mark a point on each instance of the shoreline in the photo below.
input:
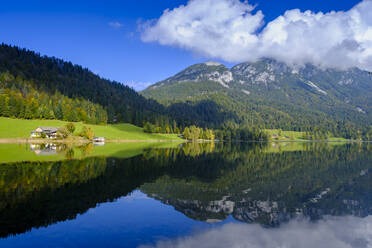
(83, 142)
(46, 141)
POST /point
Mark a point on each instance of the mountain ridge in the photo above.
(332, 96)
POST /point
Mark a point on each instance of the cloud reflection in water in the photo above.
(338, 232)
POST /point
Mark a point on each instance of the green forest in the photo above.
(20, 99)
(91, 98)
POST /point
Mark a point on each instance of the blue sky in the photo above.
(87, 33)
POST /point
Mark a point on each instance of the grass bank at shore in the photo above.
(18, 130)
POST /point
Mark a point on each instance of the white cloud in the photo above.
(334, 232)
(231, 31)
(115, 24)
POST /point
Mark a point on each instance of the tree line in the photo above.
(242, 134)
(197, 133)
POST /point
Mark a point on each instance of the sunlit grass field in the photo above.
(17, 128)
(281, 135)
(286, 135)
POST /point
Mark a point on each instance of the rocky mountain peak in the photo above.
(209, 71)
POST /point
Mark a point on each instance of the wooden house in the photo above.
(49, 132)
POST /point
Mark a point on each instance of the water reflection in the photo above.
(331, 232)
(270, 187)
(67, 150)
(254, 183)
(44, 149)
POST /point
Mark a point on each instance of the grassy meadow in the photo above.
(281, 135)
(18, 128)
(286, 135)
(279, 147)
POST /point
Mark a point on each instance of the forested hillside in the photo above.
(33, 86)
(20, 99)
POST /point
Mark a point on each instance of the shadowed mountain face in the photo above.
(261, 184)
(274, 94)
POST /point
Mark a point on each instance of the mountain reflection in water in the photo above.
(284, 186)
(254, 185)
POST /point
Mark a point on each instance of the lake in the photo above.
(186, 195)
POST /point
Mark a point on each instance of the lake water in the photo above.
(188, 195)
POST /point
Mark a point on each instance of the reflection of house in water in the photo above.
(44, 149)
(49, 132)
(99, 141)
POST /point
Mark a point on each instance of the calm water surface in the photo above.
(191, 195)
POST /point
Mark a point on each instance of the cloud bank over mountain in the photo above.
(234, 31)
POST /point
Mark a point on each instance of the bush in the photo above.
(70, 127)
(87, 133)
(186, 133)
(149, 128)
(63, 133)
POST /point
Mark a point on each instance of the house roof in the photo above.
(48, 129)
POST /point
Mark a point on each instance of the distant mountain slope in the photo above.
(51, 75)
(271, 94)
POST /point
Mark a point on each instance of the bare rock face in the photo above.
(209, 71)
(269, 73)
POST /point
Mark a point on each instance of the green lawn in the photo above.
(286, 135)
(278, 147)
(295, 136)
(17, 128)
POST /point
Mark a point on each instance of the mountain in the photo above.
(272, 94)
